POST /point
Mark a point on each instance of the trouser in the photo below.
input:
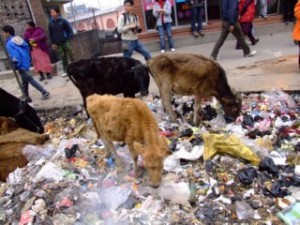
(135, 45)
(263, 8)
(196, 18)
(247, 29)
(237, 32)
(288, 10)
(28, 79)
(65, 53)
(166, 27)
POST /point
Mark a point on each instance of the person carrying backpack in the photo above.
(19, 54)
(128, 27)
(60, 33)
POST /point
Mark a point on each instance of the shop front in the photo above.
(181, 12)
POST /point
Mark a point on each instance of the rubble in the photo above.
(245, 172)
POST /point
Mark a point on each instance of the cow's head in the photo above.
(80, 70)
(153, 157)
(142, 76)
(232, 107)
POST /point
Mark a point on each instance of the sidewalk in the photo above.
(274, 66)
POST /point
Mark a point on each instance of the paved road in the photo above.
(274, 66)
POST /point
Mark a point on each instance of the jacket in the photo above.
(127, 34)
(18, 51)
(166, 15)
(39, 37)
(296, 32)
(230, 11)
(247, 11)
(60, 31)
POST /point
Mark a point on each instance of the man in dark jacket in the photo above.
(230, 24)
(60, 32)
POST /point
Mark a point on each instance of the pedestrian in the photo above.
(247, 15)
(18, 51)
(263, 9)
(162, 10)
(37, 39)
(230, 14)
(288, 10)
(296, 33)
(197, 7)
(129, 27)
(60, 33)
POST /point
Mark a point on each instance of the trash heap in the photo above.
(246, 172)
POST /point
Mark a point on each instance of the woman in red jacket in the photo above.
(246, 17)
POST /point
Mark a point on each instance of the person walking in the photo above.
(18, 51)
(197, 7)
(36, 37)
(129, 27)
(247, 15)
(60, 33)
(230, 14)
(162, 12)
(296, 32)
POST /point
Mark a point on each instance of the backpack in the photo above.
(116, 33)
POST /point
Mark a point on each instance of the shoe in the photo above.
(162, 51)
(172, 49)
(201, 33)
(214, 58)
(42, 78)
(195, 33)
(251, 54)
(45, 95)
(256, 40)
(49, 77)
(64, 74)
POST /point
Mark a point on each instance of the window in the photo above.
(110, 24)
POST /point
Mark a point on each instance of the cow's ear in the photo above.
(139, 148)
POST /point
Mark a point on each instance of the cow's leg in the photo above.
(110, 147)
(134, 157)
(166, 100)
(197, 106)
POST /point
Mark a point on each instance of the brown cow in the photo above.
(131, 121)
(190, 74)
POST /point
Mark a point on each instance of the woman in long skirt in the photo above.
(37, 39)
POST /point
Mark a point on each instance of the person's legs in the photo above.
(140, 48)
(69, 52)
(129, 48)
(285, 7)
(222, 38)
(237, 32)
(27, 78)
(161, 32)
(193, 19)
(250, 35)
(41, 76)
(24, 83)
(63, 56)
(199, 19)
(168, 28)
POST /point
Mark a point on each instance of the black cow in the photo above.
(24, 114)
(109, 75)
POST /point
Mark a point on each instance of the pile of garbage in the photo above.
(245, 172)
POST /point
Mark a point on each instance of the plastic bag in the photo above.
(33, 152)
(291, 215)
(195, 154)
(227, 144)
(247, 175)
(268, 165)
(114, 196)
(178, 193)
(244, 211)
(50, 171)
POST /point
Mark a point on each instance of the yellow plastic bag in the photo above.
(227, 144)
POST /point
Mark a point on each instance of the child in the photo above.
(18, 51)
